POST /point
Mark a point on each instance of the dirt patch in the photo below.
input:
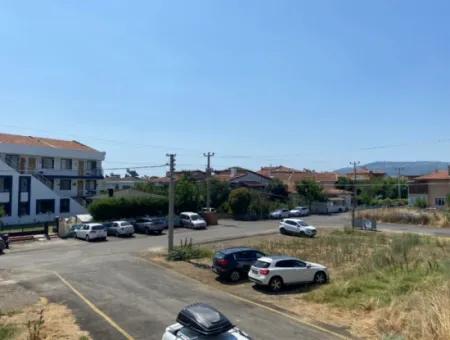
(42, 320)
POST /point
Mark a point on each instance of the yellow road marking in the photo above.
(298, 320)
(95, 308)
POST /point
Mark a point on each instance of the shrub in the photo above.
(239, 201)
(186, 251)
(420, 203)
(116, 208)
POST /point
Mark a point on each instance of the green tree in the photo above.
(310, 191)
(239, 201)
(277, 190)
(344, 183)
(420, 203)
(220, 191)
(187, 195)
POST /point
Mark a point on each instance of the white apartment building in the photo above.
(43, 178)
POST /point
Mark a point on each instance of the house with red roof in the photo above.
(433, 188)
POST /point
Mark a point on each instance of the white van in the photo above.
(192, 220)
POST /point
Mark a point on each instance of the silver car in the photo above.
(119, 228)
(277, 271)
(91, 231)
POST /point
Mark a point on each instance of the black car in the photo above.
(234, 263)
(4, 242)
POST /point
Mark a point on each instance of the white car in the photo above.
(279, 213)
(119, 228)
(200, 322)
(91, 231)
(192, 220)
(298, 212)
(277, 271)
(296, 226)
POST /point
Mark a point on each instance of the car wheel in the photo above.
(276, 284)
(87, 238)
(283, 231)
(235, 276)
(147, 231)
(320, 277)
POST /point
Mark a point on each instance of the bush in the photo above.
(186, 251)
(116, 208)
(420, 203)
(239, 201)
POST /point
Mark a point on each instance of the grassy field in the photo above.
(435, 218)
(390, 285)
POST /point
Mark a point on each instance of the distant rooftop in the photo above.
(44, 142)
(436, 175)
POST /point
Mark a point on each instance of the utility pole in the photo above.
(398, 183)
(354, 202)
(171, 197)
(208, 175)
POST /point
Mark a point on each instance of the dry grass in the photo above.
(41, 321)
(435, 218)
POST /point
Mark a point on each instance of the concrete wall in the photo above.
(437, 189)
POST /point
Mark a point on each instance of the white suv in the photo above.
(296, 226)
(277, 271)
(91, 231)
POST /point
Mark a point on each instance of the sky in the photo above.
(306, 84)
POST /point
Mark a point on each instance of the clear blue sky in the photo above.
(311, 84)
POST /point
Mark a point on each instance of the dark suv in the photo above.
(234, 263)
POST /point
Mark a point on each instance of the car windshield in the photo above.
(124, 224)
(97, 227)
(302, 224)
(261, 264)
(195, 217)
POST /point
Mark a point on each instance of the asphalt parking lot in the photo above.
(141, 299)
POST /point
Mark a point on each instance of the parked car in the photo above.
(280, 213)
(72, 231)
(299, 212)
(234, 263)
(201, 321)
(119, 228)
(277, 271)
(192, 220)
(296, 226)
(150, 225)
(4, 242)
(91, 231)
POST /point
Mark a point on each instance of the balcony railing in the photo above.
(64, 172)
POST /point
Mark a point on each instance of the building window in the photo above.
(65, 184)
(48, 163)
(66, 164)
(91, 165)
(439, 201)
(6, 208)
(64, 205)
(24, 184)
(24, 208)
(12, 161)
(5, 183)
(45, 206)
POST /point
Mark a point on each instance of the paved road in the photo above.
(140, 297)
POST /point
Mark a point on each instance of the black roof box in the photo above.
(204, 319)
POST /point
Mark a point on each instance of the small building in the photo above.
(433, 188)
(239, 177)
(118, 183)
(365, 175)
(42, 178)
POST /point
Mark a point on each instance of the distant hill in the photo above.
(409, 168)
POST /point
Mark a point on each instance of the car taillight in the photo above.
(223, 262)
(264, 271)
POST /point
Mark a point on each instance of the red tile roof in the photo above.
(437, 175)
(43, 142)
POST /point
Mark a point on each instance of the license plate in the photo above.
(254, 271)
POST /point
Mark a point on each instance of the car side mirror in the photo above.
(308, 266)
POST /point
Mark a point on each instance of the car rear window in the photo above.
(219, 255)
(97, 227)
(261, 264)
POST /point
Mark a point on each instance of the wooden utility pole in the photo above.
(398, 183)
(171, 198)
(208, 175)
(354, 202)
